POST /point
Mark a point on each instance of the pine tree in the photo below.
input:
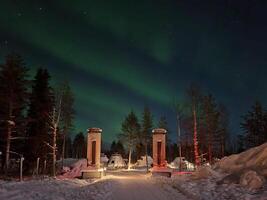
(79, 146)
(187, 135)
(223, 132)
(120, 148)
(67, 116)
(130, 129)
(117, 147)
(13, 99)
(240, 143)
(147, 125)
(254, 126)
(211, 115)
(68, 149)
(163, 123)
(113, 147)
(41, 104)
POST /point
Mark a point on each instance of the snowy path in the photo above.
(115, 186)
(137, 186)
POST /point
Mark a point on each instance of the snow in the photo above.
(74, 169)
(205, 172)
(136, 186)
(252, 180)
(239, 176)
(54, 189)
(117, 186)
(104, 159)
(116, 161)
(130, 185)
(254, 158)
(209, 188)
(186, 165)
(142, 162)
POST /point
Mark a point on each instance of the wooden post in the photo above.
(54, 151)
(44, 167)
(146, 157)
(63, 151)
(37, 166)
(197, 162)
(21, 168)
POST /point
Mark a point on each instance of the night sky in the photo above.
(121, 55)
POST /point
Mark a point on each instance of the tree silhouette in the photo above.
(254, 126)
(13, 99)
(130, 129)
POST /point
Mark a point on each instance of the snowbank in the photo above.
(247, 168)
(252, 159)
(116, 161)
(74, 169)
(252, 180)
(104, 159)
(205, 172)
(142, 162)
(186, 165)
(239, 176)
(209, 189)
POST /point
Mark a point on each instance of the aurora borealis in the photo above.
(120, 55)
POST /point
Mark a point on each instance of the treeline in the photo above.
(135, 139)
(203, 133)
(254, 128)
(202, 129)
(36, 119)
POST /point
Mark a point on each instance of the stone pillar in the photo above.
(94, 147)
(159, 147)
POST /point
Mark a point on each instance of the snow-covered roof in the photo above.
(94, 130)
(159, 131)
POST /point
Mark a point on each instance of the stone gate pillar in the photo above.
(159, 147)
(94, 147)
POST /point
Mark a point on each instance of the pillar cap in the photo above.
(159, 131)
(94, 130)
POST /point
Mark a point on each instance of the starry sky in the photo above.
(120, 55)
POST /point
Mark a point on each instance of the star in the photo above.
(19, 14)
(85, 12)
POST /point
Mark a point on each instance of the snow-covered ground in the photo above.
(117, 186)
(116, 161)
(240, 177)
(53, 189)
(131, 185)
(211, 188)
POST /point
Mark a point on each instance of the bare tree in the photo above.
(54, 119)
(194, 95)
(178, 109)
